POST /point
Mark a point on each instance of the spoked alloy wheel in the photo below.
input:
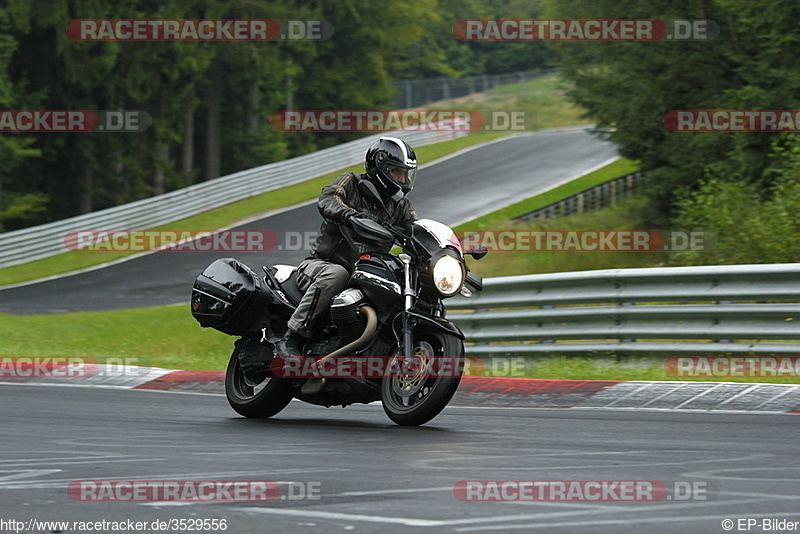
(415, 391)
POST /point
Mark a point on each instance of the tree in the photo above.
(630, 86)
(16, 206)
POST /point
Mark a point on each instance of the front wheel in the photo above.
(414, 392)
(255, 400)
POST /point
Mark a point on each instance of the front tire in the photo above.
(258, 401)
(410, 395)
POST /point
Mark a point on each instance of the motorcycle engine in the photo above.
(345, 316)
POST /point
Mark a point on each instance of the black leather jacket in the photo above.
(342, 199)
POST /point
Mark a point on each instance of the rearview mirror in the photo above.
(477, 252)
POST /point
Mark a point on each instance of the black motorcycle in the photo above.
(386, 338)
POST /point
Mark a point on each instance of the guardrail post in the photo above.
(618, 321)
(717, 321)
(613, 192)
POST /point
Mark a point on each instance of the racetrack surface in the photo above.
(373, 476)
(478, 181)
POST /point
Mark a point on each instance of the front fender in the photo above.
(437, 322)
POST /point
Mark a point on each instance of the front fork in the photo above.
(408, 302)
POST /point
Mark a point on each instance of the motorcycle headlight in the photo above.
(448, 275)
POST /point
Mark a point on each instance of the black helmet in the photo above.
(392, 165)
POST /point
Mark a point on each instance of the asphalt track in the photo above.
(368, 475)
(453, 191)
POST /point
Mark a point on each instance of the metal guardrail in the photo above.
(741, 309)
(599, 196)
(46, 240)
(412, 93)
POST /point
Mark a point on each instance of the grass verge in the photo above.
(165, 336)
(523, 257)
(542, 101)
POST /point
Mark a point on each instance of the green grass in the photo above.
(543, 101)
(626, 215)
(221, 217)
(166, 336)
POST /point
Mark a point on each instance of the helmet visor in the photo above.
(402, 176)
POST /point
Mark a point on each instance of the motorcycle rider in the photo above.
(391, 166)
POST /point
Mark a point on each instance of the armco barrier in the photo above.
(37, 242)
(742, 309)
(593, 198)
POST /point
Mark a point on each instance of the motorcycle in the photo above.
(386, 337)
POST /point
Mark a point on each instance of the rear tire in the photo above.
(416, 397)
(258, 401)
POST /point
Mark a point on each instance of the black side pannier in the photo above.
(229, 297)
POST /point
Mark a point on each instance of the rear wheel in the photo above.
(252, 399)
(416, 391)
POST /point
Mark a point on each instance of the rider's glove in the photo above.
(359, 215)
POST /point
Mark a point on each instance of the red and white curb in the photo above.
(494, 392)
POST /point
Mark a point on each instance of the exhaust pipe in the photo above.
(313, 385)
